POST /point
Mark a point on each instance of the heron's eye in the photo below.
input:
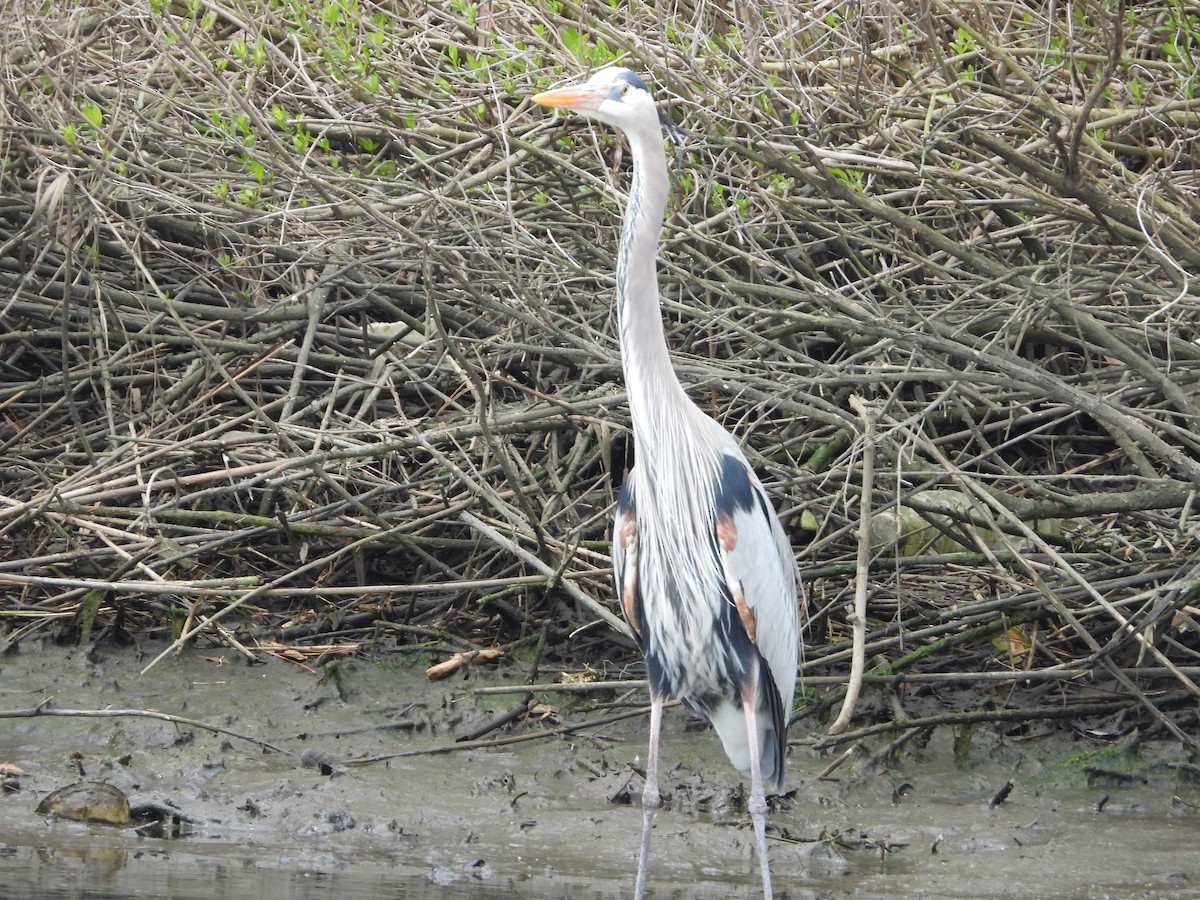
(624, 91)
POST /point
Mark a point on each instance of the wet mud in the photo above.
(554, 817)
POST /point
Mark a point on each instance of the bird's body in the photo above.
(687, 539)
(704, 572)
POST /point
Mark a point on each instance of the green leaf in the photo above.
(255, 168)
(572, 40)
(93, 114)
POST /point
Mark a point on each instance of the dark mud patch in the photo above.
(552, 817)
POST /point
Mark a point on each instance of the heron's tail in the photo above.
(729, 721)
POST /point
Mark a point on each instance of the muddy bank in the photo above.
(543, 818)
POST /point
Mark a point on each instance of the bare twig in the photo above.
(44, 709)
(862, 576)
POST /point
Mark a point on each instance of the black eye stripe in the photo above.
(632, 80)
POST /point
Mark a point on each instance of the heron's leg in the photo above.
(758, 798)
(650, 796)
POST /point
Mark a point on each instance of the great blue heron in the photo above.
(704, 570)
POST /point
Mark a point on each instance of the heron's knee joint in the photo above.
(757, 806)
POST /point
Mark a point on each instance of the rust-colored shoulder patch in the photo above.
(628, 533)
(627, 538)
(726, 532)
(630, 605)
(745, 613)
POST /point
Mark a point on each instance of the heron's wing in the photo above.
(760, 572)
(625, 557)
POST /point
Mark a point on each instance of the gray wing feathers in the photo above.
(759, 568)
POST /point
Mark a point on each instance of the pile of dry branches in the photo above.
(307, 323)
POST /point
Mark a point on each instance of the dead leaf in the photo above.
(1014, 643)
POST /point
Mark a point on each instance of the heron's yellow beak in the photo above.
(577, 96)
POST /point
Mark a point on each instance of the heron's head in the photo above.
(613, 95)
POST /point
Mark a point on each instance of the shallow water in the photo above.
(533, 819)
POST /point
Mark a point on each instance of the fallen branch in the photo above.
(43, 709)
(557, 731)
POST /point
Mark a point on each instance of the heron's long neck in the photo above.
(655, 395)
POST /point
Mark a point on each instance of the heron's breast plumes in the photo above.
(696, 634)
